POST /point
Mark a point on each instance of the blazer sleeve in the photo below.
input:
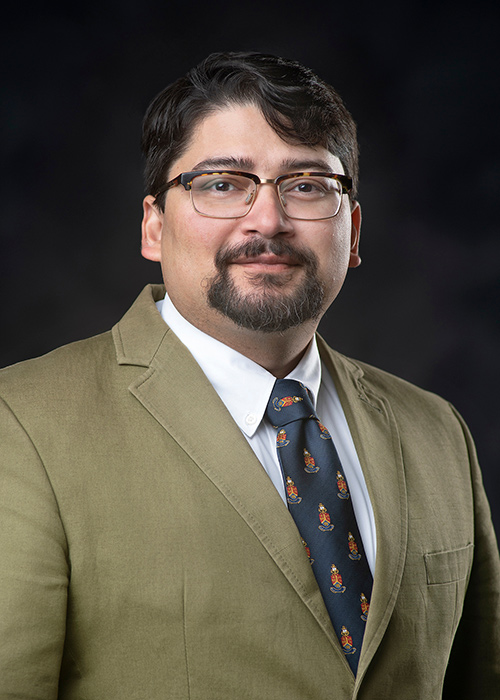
(474, 667)
(33, 570)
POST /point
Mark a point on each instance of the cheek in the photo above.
(190, 248)
(333, 259)
(333, 246)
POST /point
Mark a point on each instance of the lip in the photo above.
(273, 262)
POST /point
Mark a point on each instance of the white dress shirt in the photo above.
(245, 387)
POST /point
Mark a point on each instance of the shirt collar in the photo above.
(242, 385)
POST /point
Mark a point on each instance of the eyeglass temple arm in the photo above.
(168, 185)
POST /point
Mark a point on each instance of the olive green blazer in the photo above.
(145, 554)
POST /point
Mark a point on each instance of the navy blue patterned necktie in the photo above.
(319, 501)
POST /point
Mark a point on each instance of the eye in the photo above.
(216, 184)
(222, 186)
(213, 184)
(306, 187)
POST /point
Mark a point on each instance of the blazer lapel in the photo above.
(179, 396)
(376, 438)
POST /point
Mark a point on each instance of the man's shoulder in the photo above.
(373, 381)
(67, 366)
(84, 365)
(134, 330)
(419, 414)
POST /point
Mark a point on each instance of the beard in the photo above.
(266, 309)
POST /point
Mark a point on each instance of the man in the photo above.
(151, 542)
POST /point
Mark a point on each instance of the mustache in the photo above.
(258, 246)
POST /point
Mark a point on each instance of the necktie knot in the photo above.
(290, 401)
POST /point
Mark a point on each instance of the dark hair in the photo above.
(299, 106)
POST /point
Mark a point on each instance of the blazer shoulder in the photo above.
(91, 362)
(404, 397)
(64, 370)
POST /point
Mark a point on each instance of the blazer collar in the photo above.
(139, 334)
(173, 387)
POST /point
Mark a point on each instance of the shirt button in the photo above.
(250, 419)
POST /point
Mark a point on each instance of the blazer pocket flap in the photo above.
(445, 567)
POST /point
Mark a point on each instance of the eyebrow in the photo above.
(291, 165)
(288, 165)
(225, 162)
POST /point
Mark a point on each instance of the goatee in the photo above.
(265, 309)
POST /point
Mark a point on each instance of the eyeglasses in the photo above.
(230, 194)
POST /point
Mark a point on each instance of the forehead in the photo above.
(239, 137)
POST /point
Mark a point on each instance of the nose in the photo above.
(266, 216)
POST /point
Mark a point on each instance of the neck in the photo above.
(278, 353)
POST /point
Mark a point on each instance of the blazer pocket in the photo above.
(449, 566)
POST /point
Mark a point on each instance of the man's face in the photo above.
(264, 271)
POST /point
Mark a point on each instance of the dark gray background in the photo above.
(421, 80)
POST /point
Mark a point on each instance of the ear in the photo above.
(354, 258)
(152, 230)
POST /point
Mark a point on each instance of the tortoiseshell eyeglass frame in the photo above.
(186, 179)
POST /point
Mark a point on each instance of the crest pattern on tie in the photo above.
(319, 501)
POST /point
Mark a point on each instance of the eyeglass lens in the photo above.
(224, 195)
